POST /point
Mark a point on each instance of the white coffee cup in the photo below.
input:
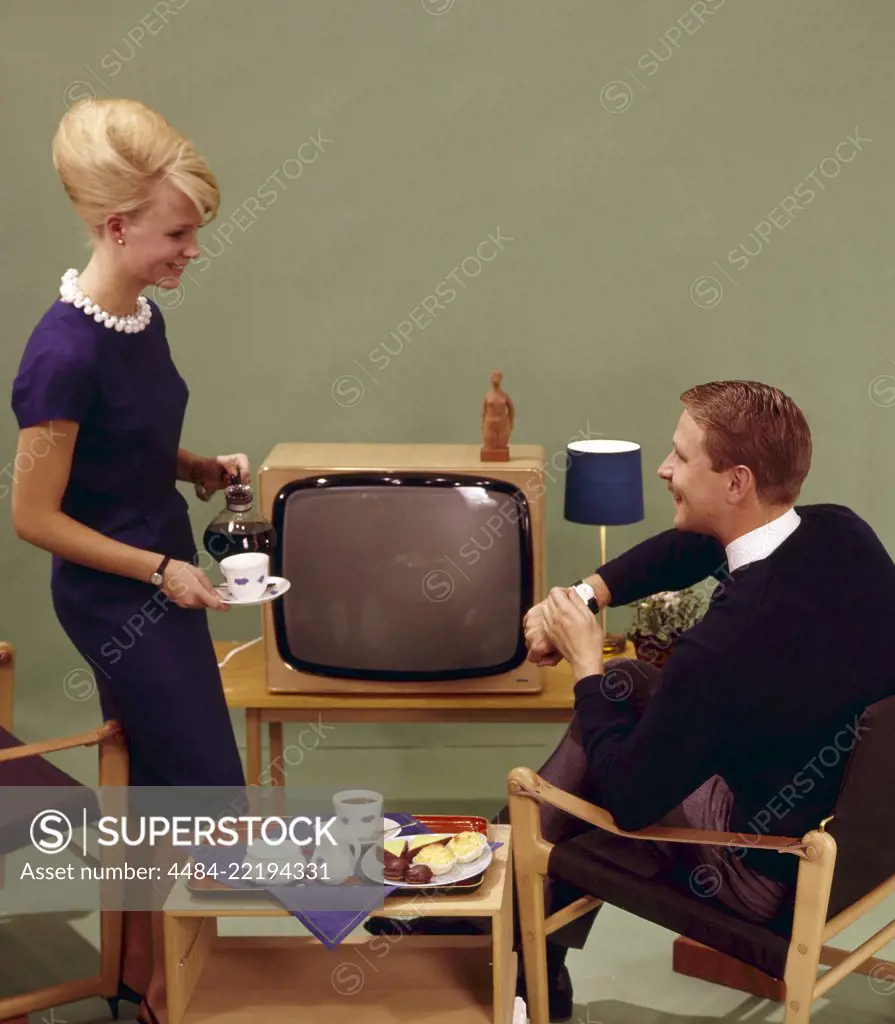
(246, 575)
(360, 814)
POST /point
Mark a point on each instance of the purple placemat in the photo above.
(332, 926)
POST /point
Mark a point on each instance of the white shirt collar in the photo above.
(759, 543)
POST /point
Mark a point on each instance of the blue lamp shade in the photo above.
(604, 483)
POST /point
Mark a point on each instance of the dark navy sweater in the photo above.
(766, 691)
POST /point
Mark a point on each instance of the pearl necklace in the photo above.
(70, 291)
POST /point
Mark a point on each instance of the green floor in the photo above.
(624, 974)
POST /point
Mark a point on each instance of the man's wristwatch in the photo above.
(586, 592)
(158, 577)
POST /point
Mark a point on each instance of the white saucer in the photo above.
(391, 829)
(276, 587)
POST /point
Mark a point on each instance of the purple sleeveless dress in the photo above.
(154, 663)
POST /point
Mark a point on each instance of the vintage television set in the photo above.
(412, 566)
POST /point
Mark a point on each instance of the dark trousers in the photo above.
(748, 894)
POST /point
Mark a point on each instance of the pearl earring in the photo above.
(120, 241)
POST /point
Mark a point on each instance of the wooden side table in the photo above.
(245, 687)
(373, 979)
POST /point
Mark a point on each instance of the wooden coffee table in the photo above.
(370, 979)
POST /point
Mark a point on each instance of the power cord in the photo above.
(236, 650)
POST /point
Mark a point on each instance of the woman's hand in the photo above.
(189, 587)
(540, 650)
(573, 630)
(210, 475)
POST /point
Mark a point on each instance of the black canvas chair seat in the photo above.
(668, 901)
(30, 771)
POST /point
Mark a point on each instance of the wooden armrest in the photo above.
(84, 739)
(525, 782)
(7, 684)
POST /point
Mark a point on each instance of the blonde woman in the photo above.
(100, 406)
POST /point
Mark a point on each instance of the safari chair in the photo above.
(846, 867)
(25, 765)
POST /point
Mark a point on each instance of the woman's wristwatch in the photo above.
(158, 577)
(586, 592)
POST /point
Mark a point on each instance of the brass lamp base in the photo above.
(614, 644)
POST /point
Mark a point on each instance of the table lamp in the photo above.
(604, 487)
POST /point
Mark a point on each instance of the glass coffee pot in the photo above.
(239, 527)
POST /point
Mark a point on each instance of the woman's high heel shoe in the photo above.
(150, 1016)
(126, 993)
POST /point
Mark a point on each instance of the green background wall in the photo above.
(624, 149)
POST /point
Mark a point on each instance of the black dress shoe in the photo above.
(560, 998)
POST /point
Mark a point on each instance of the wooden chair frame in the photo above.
(113, 771)
(816, 851)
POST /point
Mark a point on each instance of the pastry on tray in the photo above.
(467, 846)
(418, 874)
(436, 856)
(395, 865)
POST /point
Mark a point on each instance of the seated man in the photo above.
(749, 726)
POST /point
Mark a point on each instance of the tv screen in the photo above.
(409, 576)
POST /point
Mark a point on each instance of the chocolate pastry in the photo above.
(394, 867)
(419, 874)
(396, 871)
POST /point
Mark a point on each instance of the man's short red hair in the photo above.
(751, 424)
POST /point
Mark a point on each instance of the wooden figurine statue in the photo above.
(498, 417)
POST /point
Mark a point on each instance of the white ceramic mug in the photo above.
(360, 814)
(246, 575)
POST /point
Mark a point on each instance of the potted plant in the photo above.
(659, 620)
